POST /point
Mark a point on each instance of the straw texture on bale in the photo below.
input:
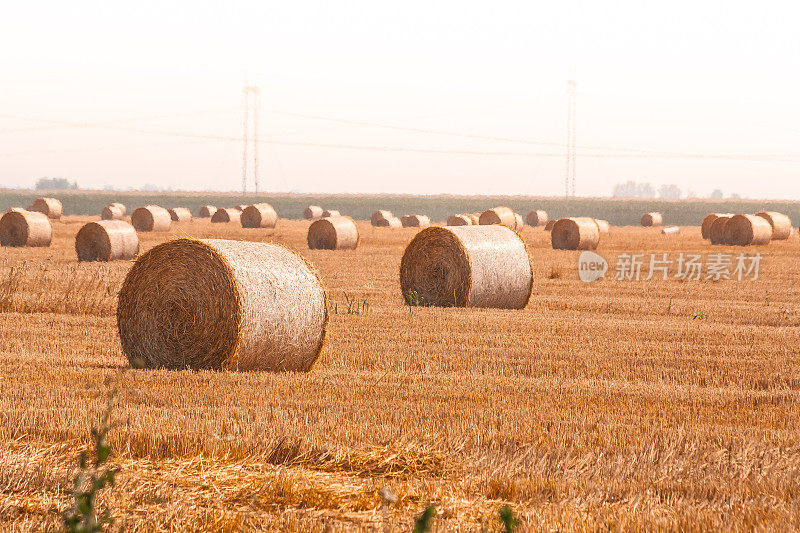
(781, 224)
(391, 222)
(112, 212)
(107, 240)
(550, 224)
(716, 232)
(708, 220)
(313, 212)
(415, 221)
(652, 219)
(331, 213)
(51, 207)
(151, 218)
(578, 233)
(519, 223)
(25, 228)
(671, 230)
(380, 214)
(180, 214)
(17, 209)
(602, 225)
(226, 214)
(459, 220)
(537, 218)
(467, 266)
(259, 216)
(499, 215)
(223, 305)
(746, 230)
(333, 233)
(206, 211)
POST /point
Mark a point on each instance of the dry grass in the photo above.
(609, 405)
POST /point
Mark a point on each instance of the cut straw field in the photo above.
(618, 404)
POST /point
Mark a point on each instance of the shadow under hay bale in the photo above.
(107, 240)
(313, 212)
(652, 219)
(151, 218)
(499, 215)
(180, 214)
(50, 207)
(259, 216)
(333, 233)
(206, 211)
(537, 218)
(25, 228)
(226, 214)
(747, 230)
(781, 224)
(577, 233)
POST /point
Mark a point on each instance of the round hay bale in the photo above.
(151, 218)
(51, 207)
(25, 228)
(17, 209)
(107, 240)
(313, 212)
(333, 233)
(259, 216)
(602, 225)
(467, 266)
(222, 305)
(226, 214)
(391, 222)
(519, 223)
(112, 212)
(331, 213)
(577, 233)
(240, 207)
(652, 219)
(180, 214)
(537, 218)
(475, 218)
(671, 230)
(499, 215)
(121, 206)
(415, 221)
(380, 214)
(747, 230)
(550, 224)
(716, 232)
(708, 220)
(459, 220)
(781, 224)
(206, 211)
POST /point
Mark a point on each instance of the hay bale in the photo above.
(240, 207)
(25, 228)
(380, 214)
(415, 221)
(313, 212)
(671, 230)
(716, 232)
(226, 214)
(333, 233)
(459, 220)
(180, 214)
(652, 219)
(467, 266)
(781, 224)
(50, 207)
(206, 211)
(121, 206)
(499, 215)
(391, 222)
(331, 213)
(259, 216)
(550, 224)
(17, 209)
(107, 240)
(577, 233)
(222, 305)
(602, 225)
(708, 220)
(537, 218)
(151, 218)
(747, 230)
(519, 223)
(112, 212)
(475, 218)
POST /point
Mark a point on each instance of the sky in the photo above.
(700, 94)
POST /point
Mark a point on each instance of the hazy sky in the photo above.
(705, 78)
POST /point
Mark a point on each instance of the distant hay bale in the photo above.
(107, 240)
(475, 218)
(671, 230)
(708, 220)
(602, 225)
(112, 212)
(151, 218)
(577, 233)
(333, 233)
(467, 266)
(226, 214)
(259, 216)
(313, 212)
(240, 207)
(550, 224)
(519, 223)
(331, 213)
(537, 218)
(25, 228)
(652, 219)
(391, 222)
(747, 230)
(380, 214)
(499, 215)
(50, 207)
(222, 305)
(781, 224)
(716, 232)
(180, 214)
(121, 206)
(415, 221)
(459, 220)
(206, 211)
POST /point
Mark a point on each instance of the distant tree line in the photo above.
(55, 184)
(633, 189)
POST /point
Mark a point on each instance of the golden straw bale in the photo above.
(313, 212)
(537, 218)
(25, 228)
(180, 214)
(577, 233)
(121, 207)
(333, 233)
(602, 225)
(519, 223)
(240, 207)
(550, 224)
(259, 216)
(499, 215)
(459, 220)
(331, 213)
(467, 266)
(475, 218)
(716, 232)
(671, 230)
(51, 207)
(206, 211)
(222, 305)
(391, 222)
(151, 218)
(107, 240)
(781, 224)
(380, 214)
(415, 221)
(746, 230)
(226, 214)
(652, 219)
(708, 220)
(112, 212)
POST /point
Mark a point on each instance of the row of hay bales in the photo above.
(746, 230)
(313, 212)
(383, 218)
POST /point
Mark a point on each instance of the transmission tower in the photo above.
(569, 176)
(252, 102)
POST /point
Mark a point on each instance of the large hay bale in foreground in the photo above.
(781, 224)
(602, 225)
(331, 213)
(459, 220)
(716, 232)
(107, 240)
(747, 230)
(708, 220)
(467, 266)
(380, 214)
(151, 218)
(50, 207)
(519, 223)
(259, 216)
(180, 214)
(499, 215)
(415, 221)
(577, 233)
(391, 222)
(25, 228)
(537, 218)
(223, 305)
(652, 219)
(313, 212)
(333, 233)
(550, 224)
(206, 211)
(226, 214)
(112, 212)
